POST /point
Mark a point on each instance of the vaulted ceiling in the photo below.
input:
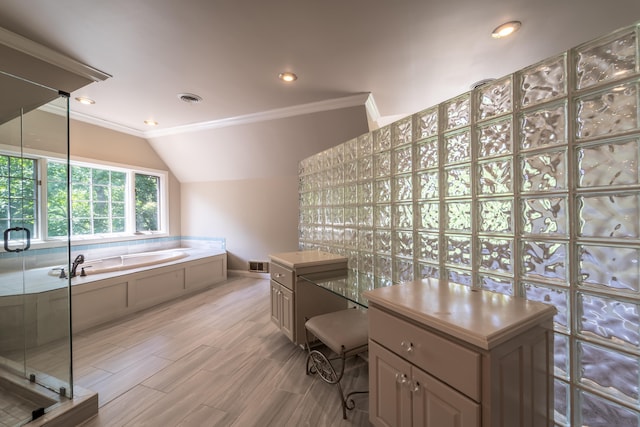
(396, 57)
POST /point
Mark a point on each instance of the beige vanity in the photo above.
(444, 355)
(294, 300)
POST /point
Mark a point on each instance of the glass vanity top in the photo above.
(350, 284)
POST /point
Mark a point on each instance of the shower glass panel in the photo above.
(35, 322)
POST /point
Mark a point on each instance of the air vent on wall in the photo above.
(259, 266)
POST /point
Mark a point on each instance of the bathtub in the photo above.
(126, 262)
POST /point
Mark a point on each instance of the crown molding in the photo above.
(24, 45)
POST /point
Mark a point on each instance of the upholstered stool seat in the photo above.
(346, 333)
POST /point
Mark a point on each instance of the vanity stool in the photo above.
(346, 333)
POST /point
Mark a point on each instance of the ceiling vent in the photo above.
(190, 98)
(480, 83)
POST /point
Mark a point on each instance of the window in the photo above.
(18, 192)
(105, 200)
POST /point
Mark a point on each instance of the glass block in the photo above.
(555, 296)
(458, 147)
(460, 277)
(350, 238)
(337, 215)
(494, 98)
(430, 216)
(496, 216)
(401, 132)
(383, 191)
(402, 270)
(543, 127)
(495, 138)
(382, 139)
(609, 267)
(596, 411)
(403, 215)
(351, 194)
(403, 243)
(337, 155)
(365, 192)
(608, 371)
(351, 150)
(458, 181)
(365, 240)
(427, 153)
(352, 259)
(351, 171)
(365, 168)
(403, 188)
(496, 254)
(426, 123)
(337, 196)
(607, 164)
(383, 266)
(543, 82)
(544, 171)
(545, 260)
(496, 284)
(327, 159)
(382, 243)
(561, 355)
(428, 185)
(458, 112)
(366, 263)
(402, 159)
(351, 216)
(609, 216)
(608, 112)
(428, 271)
(561, 398)
(365, 145)
(325, 215)
(428, 247)
(382, 164)
(365, 216)
(458, 250)
(382, 217)
(609, 319)
(495, 177)
(545, 215)
(338, 234)
(458, 216)
(605, 60)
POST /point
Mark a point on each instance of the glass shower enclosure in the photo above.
(35, 305)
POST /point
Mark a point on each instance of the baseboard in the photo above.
(245, 273)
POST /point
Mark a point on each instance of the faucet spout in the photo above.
(76, 262)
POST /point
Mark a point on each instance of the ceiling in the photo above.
(407, 54)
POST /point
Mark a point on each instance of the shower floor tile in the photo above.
(14, 410)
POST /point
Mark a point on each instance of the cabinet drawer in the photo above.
(282, 275)
(451, 363)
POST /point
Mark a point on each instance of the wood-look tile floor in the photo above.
(211, 359)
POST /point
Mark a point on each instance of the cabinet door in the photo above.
(435, 404)
(389, 393)
(286, 312)
(276, 317)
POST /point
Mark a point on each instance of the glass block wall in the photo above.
(528, 186)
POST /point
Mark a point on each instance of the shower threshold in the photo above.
(19, 398)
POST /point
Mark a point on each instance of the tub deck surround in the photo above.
(481, 318)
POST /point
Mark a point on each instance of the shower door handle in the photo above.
(6, 239)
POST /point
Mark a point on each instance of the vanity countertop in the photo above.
(482, 318)
(299, 259)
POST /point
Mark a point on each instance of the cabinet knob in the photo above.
(278, 275)
(407, 346)
(402, 379)
(415, 387)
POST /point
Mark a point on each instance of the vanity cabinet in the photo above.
(446, 355)
(293, 299)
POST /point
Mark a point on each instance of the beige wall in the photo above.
(93, 142)
(241, 182)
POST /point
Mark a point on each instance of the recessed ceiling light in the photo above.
(151, 123)
(190, 98)
(84, 100)
(506, 29)
(287, 77)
